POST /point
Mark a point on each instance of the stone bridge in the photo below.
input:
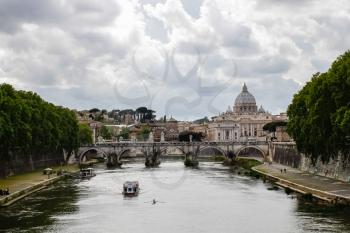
(153, 151)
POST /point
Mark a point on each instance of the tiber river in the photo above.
(212, 198)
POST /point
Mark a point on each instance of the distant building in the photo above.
(194, 127)
(244, 123)
(169, 129)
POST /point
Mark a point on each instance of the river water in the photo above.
(212, 198)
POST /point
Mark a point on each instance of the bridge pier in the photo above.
(113, 160)
(153, 157)
(191, 160)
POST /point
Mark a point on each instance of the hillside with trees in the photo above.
(319, 115)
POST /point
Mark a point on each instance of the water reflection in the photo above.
(34, 213)
(211, 198)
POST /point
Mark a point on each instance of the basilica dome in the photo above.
(245, 97)
(245, 102)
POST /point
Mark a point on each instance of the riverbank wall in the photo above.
(286, 153)
(20, 163)
(307, 186)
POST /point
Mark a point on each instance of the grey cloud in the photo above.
(70, 58)
(240, 38)
(13, 13)
(262, 66)
(288, 4)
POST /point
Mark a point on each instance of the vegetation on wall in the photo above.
(319, 115)
(30, 125)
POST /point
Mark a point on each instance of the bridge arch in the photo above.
(123, 152)
(83, 153)
(218, 149)
(257, 148)
(165, 150)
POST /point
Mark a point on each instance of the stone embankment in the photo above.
(15, 196)
(323, 188)
(25, 184)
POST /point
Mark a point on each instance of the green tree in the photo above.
(319, 113)
(85, 134)
(124, 133)
(29, 125)
(271, 126)
(105, 133)
(144, 132)
(185, 136)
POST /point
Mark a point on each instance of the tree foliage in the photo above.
(271, 126)
(105, 133)
(144, 132)
(185, 136)
(85, 134)
(319, 115)
(124, 133)
(30, 125)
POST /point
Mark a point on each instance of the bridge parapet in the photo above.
(203, 143)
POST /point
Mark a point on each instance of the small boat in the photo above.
(131, 188)
(87, 173)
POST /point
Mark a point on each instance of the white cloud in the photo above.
(185, 58)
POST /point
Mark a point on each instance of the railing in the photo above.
(147, 144)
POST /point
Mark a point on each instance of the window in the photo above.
(227, 134)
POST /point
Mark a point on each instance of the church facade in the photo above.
(243, 123)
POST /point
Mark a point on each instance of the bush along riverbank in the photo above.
(243, 166)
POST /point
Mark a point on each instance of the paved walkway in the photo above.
(329, 186)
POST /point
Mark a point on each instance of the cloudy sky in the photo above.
(186, 58)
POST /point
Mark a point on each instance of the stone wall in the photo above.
(287, 154)
(336, 168)
(20, 163)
